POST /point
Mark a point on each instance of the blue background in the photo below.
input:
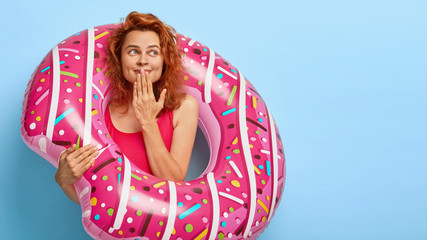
(345, 81)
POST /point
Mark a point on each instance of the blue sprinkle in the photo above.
(76, 34)
(204, 49)
(219, 75)
(45, 69)
(260, 119)
(219, 181)
(223, 224)
(228, 157)
(233, 70)
(268, 168)
(180, 204)
(96, 217)
(119, 159)
(95, 96)
(261, 167)
(228, 111)
(61, 62)
(135, 198)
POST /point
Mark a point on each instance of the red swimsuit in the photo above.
(132, 144)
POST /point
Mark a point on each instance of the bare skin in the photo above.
(141, 63)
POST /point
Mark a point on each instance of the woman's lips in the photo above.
(139, 71)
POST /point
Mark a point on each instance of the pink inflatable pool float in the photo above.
(234, 198)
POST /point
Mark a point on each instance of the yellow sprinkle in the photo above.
(120, 232)
(94, 112)
(263, 219)
(158, 234)
(257, 170)
(186, 77)
(101, 35)
(93, 201)
(42, 80)
(235, 141)
(38, 118)
(145, 177)
(235, 183)
(81, 100)
(101, 82)
(201, 235)
(251, 146)
(262, 205)
(132, 188)
(173, 231)
(254, 102)
(159, 184)
(178, 184)
(268, 198)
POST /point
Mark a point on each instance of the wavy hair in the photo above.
(172, 66)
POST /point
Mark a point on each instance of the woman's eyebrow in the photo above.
(154, 45)
(132, 46)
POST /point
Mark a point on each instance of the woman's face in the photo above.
(141, 53)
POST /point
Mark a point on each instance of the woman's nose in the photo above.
(142, 60)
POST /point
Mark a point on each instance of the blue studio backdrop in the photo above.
(345, 81)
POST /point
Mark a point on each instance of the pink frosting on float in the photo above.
(236, 195)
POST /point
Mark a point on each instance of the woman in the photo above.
(153, 122)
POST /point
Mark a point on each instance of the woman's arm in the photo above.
(173, 165)
(71, 166)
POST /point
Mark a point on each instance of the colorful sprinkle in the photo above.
(233, 92)
(190, 211)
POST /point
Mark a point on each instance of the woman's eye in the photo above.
(133, 52)
(153, 53)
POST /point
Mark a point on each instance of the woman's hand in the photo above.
(73, 163)
(144, 103)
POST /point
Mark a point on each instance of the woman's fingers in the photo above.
(162, 98)
(149, 84)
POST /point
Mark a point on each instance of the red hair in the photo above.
(172, 66)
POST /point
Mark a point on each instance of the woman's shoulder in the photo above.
(188, 110)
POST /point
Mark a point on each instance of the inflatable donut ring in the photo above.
(234, 198)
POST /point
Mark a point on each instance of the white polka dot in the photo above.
(32, 126)
(94, 177)
(230, 235)
(99, 45)
(226, 84)
(248, 93)
(260, 113)
(103, 205)
(66, 101)
(205, 219)
(77, 57)
(69, 90)
(66, 55)
(61, 132)
(185, 49)
(220, 86)
(188, 184)
(264, 139)
(164, 210)
(161, 191)
(253, 138)
(225, 214)
(99, 131)
(257, 223)
(129, 220)
(62, 42)
(227, 189)
(39, 89)
(151, 200)
(244, 195)
(109, 188)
